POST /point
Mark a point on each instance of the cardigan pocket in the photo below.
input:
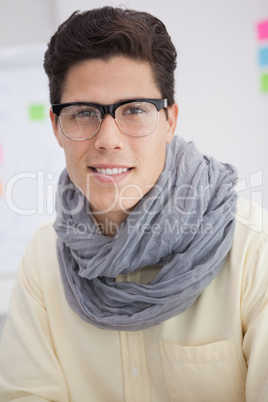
(208, 373)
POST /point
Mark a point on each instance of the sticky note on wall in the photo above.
(263, 57)
(262, 28)
(37, 112)
(264, 82)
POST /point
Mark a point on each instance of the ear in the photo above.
(55, 125)
(173, 112)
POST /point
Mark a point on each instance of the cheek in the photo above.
(74, 150)
(152, 155)
(153, 150)
(74, 155)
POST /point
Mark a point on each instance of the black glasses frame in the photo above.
(109, 109)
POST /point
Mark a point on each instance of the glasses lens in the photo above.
(80, 122)
(137, 119)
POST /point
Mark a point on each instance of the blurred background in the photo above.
(222, 91)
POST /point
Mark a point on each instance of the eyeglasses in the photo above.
(80, 121)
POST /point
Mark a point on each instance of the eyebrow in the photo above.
(133, 98)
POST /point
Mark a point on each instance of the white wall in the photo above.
(221, 105)
(26, 21)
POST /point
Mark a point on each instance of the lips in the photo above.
(111, 171)
(110, 174)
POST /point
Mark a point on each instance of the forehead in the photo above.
(111, 81)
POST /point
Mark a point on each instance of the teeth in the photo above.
(111, 172)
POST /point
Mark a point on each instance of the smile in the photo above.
(110, 175)
(111, 172)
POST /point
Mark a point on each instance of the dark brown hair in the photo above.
(106, 32)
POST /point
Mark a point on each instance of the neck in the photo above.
(108, 223)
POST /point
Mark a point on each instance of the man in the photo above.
(147, 287)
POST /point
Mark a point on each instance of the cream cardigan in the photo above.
(216, 351)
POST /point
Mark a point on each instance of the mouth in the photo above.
(110, 174)
(111, 171)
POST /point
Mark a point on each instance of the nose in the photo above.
(109, 137)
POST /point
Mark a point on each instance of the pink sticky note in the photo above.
(262, 28)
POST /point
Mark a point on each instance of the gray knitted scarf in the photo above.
(184, 224)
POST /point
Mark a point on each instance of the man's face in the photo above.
(107, 82)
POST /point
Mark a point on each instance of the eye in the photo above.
(85, 113)
(135, 109)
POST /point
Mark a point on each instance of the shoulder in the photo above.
(252, 216)
(251, 230)
(45, 233)
(44, 239)
(247, 260)
(40, 256)
(250, 251)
